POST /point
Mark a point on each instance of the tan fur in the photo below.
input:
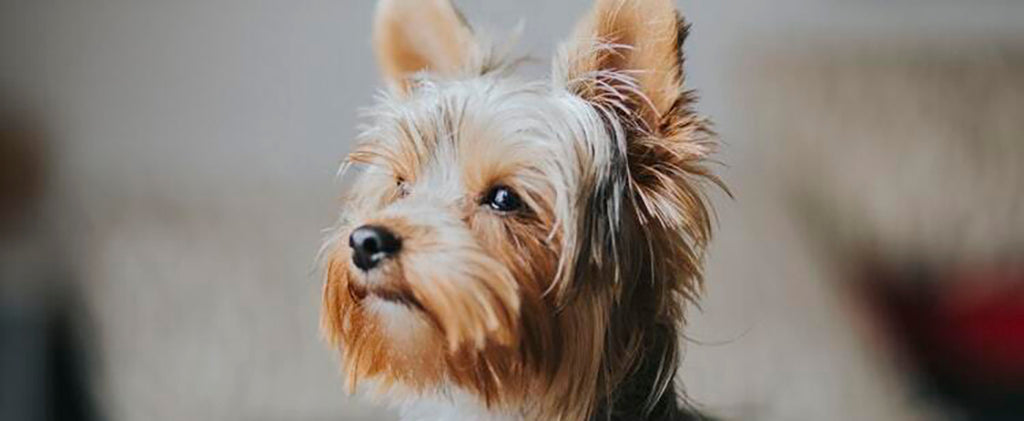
(642, 39)
(412, 36)
(557, 310)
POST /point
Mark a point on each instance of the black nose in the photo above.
(371, 244)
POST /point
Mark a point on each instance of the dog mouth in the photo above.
(361, 291)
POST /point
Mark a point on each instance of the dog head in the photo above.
(530, 243)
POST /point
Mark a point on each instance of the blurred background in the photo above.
(166, 169)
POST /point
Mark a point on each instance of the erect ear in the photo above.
(410, 36)
(626, 54)
(625, 58)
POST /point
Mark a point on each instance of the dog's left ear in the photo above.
(410, 36)
(625, 58)
(626, 55)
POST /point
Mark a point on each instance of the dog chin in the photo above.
(404, 326)
(398, 314)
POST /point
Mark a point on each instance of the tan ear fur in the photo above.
(626, 59)
(636, 38)
(410, 36)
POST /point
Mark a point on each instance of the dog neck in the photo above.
(630, 401)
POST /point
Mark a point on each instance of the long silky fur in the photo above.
(584, 319)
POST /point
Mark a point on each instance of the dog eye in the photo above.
(402, 187)
(502, 199)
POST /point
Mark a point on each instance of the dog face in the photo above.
(530, 243)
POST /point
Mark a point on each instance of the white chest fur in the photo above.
(451, 407)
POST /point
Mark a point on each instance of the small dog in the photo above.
(523, 250)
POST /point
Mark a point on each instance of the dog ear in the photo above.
(625, 58)
(410, 36)
(626, 54)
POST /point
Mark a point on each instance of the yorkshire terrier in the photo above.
(523, 250)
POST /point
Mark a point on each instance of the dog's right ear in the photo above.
(411, 36)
